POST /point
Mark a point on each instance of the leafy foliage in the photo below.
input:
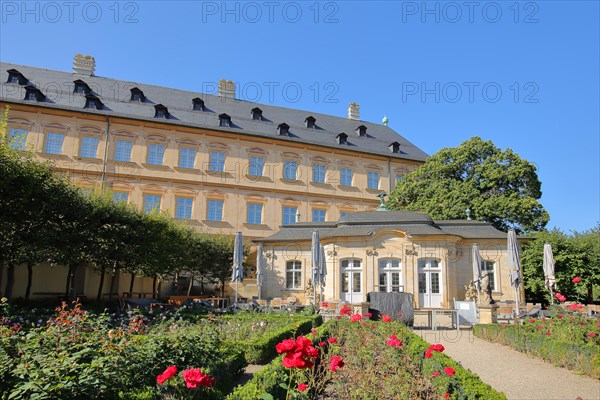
(497, 185)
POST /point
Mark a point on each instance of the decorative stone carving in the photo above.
(470, 291)
(486, 290)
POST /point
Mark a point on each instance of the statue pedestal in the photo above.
(487, 313)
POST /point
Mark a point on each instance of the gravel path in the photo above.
(512, 372)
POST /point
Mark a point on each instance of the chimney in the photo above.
(354, 111)
(84, 65)
(226, 89)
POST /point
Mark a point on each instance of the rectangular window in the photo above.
(289, 215)
(156, 153)
(318, 215)
(290, 170)
(217, 161)
(346, 177)
(215, 210)
(318, 173)
(373, 180)
(89, 147)
(54, 142)
(184, 208)
(17, 138)
(344, 213)
(119, 197)
(489, 267)
(256, 166)
(255, 214)
(151, 203)
(293, 275)
(187, 157)
(123, 150)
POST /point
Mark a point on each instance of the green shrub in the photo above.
(575, 355)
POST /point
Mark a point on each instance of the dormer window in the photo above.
(283, 129)
(256, 114)
(342, 138)
(34, 94)
(198, 104)
(93, 102)
(394, 147)
(15, 76)
(81, 87)
(224, 120)
(362, 131)
(310, 122)
(137, 95)
(161, 111)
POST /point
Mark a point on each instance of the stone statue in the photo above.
(486, 290)
(470, 291)
(309, 292)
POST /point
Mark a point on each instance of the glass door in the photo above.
(430, 288)
(351, 285)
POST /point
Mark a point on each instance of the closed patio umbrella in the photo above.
(315, 255)
(476, 259)
(260, 270)
(549, 269)
(514, 264)
(238, 269)
(323, 270)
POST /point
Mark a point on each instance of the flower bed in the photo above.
(567, 340)
(78, 354)
(363, 360)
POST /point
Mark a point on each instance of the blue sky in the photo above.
(522, 74)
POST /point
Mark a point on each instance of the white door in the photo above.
(390, 276)
(430, 285)
(351, 285)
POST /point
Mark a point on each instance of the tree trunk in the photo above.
(10, 281)
(590, 293)
(1, 273)
(223, 288)
(131, 283)
(113, 278)
(190, 285)
(158, 289)
(70, 276)
(29, 280)
(101, 285)
(154, 282)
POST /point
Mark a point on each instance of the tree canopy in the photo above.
(497, 186)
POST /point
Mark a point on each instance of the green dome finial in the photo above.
(385, 120)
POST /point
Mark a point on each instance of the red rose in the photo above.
(548, 333)
(332, 340)
(576, 279)
(346, 310)
(438, 347)
(302, 387)
(166, 375)
(449, 371)
(373, 326)
(386, 318)
(335, 363)
(503, 326)
(436, 373)
(285, 346)
(321, 344)
(298, 353)
(194, 377)
(356, 317)
(531, 320)
(313, 331)
(447, 395)
(324, 304)
(393, 341)
(428, 353)
(368, 315)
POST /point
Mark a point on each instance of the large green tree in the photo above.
(497, 186)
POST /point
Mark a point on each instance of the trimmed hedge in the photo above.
(469, 386)
(261, 350)
(584, 358)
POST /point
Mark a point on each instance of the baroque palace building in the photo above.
(224, 164)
